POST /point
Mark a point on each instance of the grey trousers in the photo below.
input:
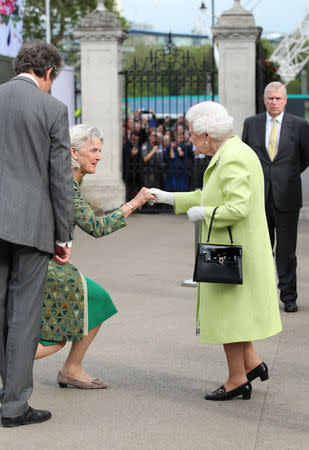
(22, 280)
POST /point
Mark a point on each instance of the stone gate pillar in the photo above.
(235, 36)
(101, 38)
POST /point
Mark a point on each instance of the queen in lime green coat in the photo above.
(232, 315)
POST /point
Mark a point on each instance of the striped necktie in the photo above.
(272, 145)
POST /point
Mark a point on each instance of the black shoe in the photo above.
(290, 306)
(31, 416)
(259, 371)
(221, 394)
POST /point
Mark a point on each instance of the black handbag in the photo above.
(216, 263)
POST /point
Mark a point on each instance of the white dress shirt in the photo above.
(269, 125)
(28, 75)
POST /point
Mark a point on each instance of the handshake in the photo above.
(195, 213)
(161, 197)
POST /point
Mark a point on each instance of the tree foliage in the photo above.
(65, 17)
(295, 86)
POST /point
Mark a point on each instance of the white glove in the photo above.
(162, 196)
(196, 213)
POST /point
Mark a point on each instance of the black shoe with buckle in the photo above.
(31, 416)
(259, 371)
(290, 306)
(221, 394)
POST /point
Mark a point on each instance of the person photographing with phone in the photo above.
(152, 158)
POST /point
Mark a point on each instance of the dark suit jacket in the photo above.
(36, 193)
(282, 176)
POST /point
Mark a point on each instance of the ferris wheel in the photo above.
(292, 54)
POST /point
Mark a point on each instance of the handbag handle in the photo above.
(210, 227)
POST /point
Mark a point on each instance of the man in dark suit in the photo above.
(36, 216)
(281, 141)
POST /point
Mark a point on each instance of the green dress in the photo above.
(74, 304)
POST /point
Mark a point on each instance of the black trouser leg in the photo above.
(24, 270)
(284, 225)
(5, 269)
(271, 224)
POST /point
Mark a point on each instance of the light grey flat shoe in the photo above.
(63, 381)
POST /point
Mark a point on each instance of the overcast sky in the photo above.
(181, 16)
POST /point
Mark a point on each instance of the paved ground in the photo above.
(157, 370)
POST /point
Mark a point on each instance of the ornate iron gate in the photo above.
(168, 82)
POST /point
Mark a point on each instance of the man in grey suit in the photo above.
(36, 216)
(281, 141)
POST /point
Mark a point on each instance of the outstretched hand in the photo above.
(62, 255)
(142, 197)
(162, 196)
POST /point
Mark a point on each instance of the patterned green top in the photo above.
(96, 226)
(65, 298)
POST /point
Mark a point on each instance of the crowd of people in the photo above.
(158, 153)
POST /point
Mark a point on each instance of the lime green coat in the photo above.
(236, 313)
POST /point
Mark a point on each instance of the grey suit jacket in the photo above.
(282, 175)
(36, 190)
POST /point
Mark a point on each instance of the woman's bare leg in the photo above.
(234, 353)
(251, 358)
(73, 365)
(46, 350)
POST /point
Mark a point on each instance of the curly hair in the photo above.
(38, 56)
(211, 118)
